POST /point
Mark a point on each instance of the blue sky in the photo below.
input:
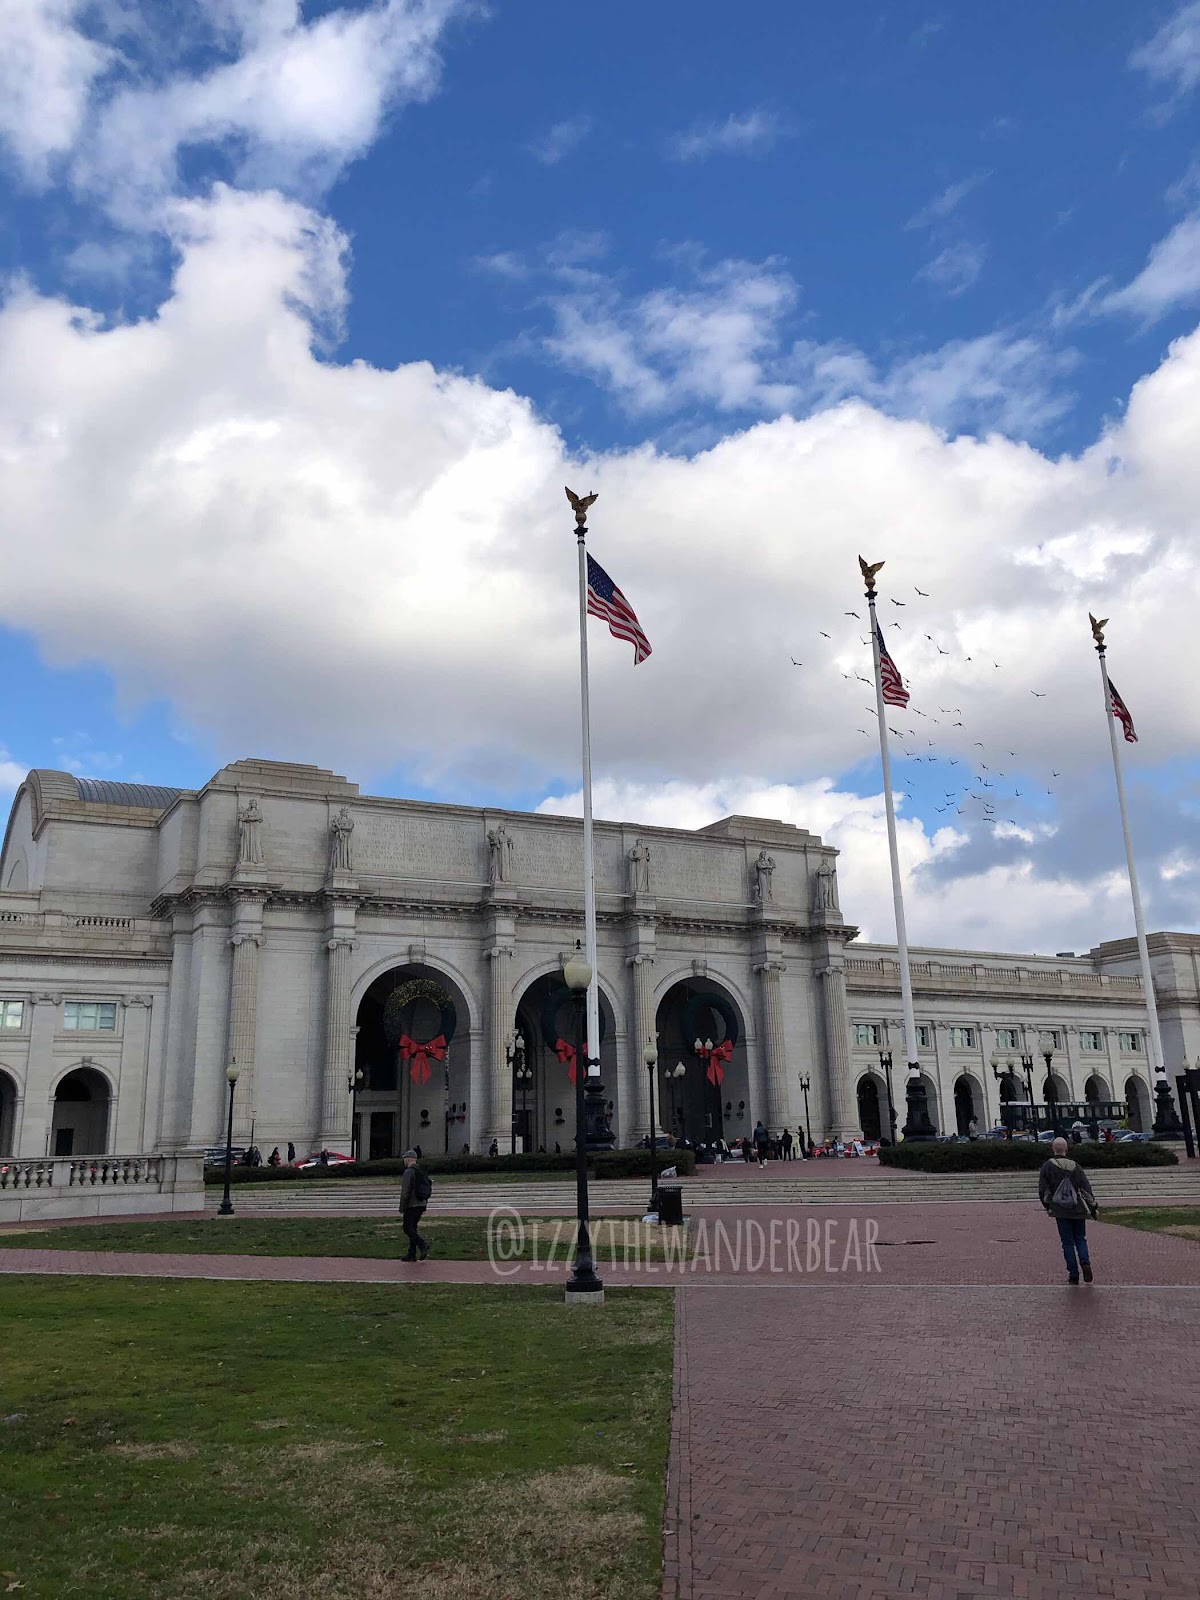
(781, 281)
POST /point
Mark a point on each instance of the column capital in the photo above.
(494, 952)
(245, 938)
(769, 966)
(833, 971)
(640, 959)
(45, 999)
(339, 944)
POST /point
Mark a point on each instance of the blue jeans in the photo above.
(1072, 1231)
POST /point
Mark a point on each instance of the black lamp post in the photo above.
(1000, 1077)
(885, 1062)
(225, 1209)
(676, 1073)
(357, 1078)
(805, 1085)
(583, 1286)
(650, 1057)
(1051, 1091)
(514, 1055)
(1027, 1069)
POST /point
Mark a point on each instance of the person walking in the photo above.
(1066, 1194)
(786, 1142)
(761, 1139)
(803, 1150)
(415, 1190)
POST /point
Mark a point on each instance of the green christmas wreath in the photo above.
(405, 995)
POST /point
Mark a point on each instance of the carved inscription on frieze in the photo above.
(419, 847)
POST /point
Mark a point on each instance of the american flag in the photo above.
(894, 692)
(1121, 711)
(605, 600)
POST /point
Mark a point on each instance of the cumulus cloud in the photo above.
(274, 99)
(746, 133)
(12, 774)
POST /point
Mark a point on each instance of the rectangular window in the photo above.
(90, 1016)
(1049, 1039)
(1090, 1040)
(924, 1036)
(1006, 1039)
(1130, 1041)
(962, 1038)
(868, 1033)
(12, 1013)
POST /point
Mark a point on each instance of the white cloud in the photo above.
(285, 102)
(947, 201)
(955, 268)
(747, 133)
(48, 67)
(560, 140)
(366, 568)
(1170, 278)
(12, 774)
(1172, 56)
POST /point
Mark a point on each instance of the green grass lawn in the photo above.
(1181, 1220)
(233, 1440)
(373, 1238)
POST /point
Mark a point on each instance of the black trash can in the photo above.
(670, 1205)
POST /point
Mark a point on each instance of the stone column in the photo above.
(136, 1111)
(635, 1094)
(243, 1010)
(493, 1118)
(842, 1105)
(773, 1045)
(334, 1131)
(34, 1109)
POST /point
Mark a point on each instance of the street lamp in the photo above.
(1027, 1069)
(679, 1071)
(583, 1286)
(514, 1055)
(354, 1084)
(1000, 1077)
(885, 1062)
(650, 1057)
(225, 1209)
(806, 1085)
(1051, 1091)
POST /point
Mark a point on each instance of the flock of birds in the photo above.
(976, 790)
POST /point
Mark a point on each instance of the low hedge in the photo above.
(1003, 1155)
(608, 1164)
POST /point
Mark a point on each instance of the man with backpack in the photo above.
(415, 1190)
(1066, 1194)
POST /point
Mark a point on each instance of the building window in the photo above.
(924, 1036)
(868, 1033)
(1049, 1039)
(1090, 1040)
(1006, 1039)
(1130, 1041)
(962, 1038)
(90, 1016)
(12, 1013)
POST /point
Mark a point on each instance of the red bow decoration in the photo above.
(566, 1054)
(715, 1056)
(419, 1052)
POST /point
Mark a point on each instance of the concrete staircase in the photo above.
(808, 1187)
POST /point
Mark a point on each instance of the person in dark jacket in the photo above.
(1066, 1194)
(761, 1140)
(412, 1208)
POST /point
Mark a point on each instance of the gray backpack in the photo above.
(1066, 1196)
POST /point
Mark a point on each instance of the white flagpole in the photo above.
(917, 1123)
(589, 860)
(1158, 1060)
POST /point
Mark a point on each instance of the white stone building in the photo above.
(380, 958)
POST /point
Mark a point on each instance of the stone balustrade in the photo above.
(36, 1188)
(936, 977)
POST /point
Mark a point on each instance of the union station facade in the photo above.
(389, 972)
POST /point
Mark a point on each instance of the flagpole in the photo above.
(1166, 1119)
(589, 860)
(917, 1124)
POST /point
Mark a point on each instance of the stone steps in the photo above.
(350, 1197)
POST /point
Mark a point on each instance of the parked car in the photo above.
(325, 1158)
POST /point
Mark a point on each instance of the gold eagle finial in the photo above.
(868, 570)
(580, 504)
(1098, 628)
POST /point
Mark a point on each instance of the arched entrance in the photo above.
(543, 1091)
(413, 1049)
(870, 1115)
(79, 1126)
(701, 1029)
(1012, 1101)
(968, 1104)
(1055, 1093)
(931, 1100)
(8, 1113)
(1137, 1099)
(1095, 1090)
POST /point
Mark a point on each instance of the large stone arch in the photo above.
(872, 1103)
(538, 1082)
(82, 1099)
(10, 1093)
(423, 1100)
(708, 1100)
(968, 1103)
(1137, 1098)
(1096, 1089)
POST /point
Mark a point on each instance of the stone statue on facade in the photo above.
(826, 887)
(340, 829)
(763, 868)
(639, 868)
(250, 853)
(500, 854)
